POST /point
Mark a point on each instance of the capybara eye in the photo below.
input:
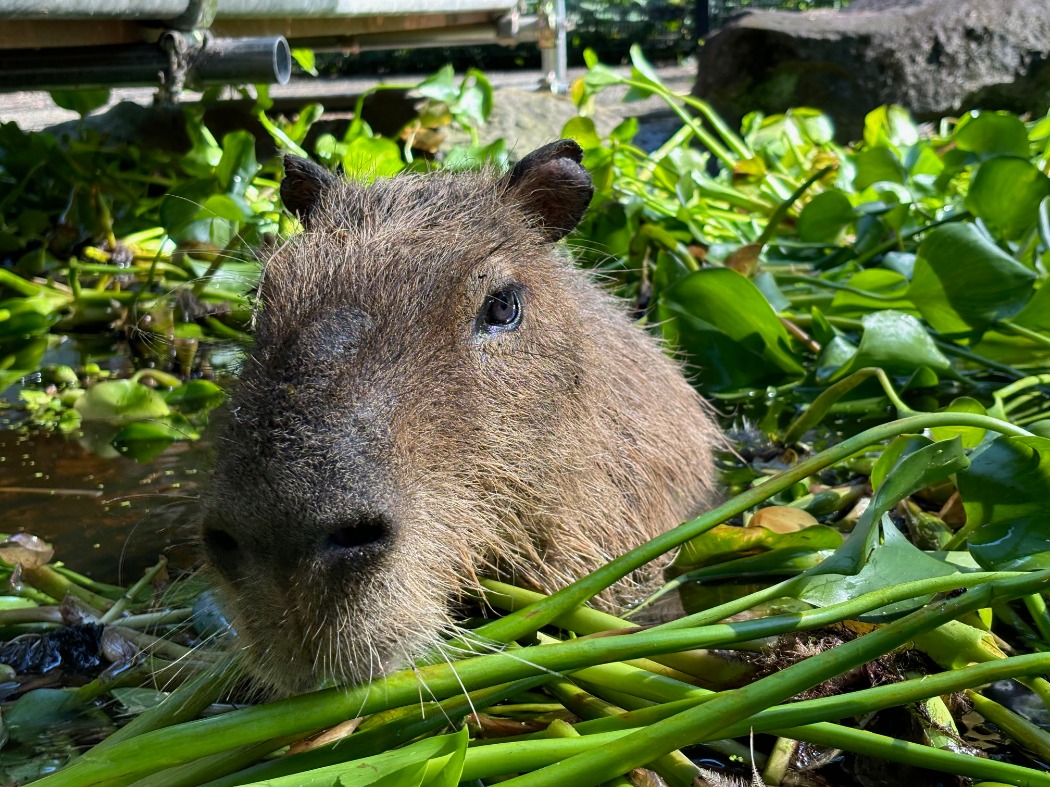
(502, 309)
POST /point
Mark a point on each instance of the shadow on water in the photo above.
(94, 509)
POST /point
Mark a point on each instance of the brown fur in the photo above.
(370, 397)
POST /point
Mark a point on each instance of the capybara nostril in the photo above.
(360, 534)
(222, 548)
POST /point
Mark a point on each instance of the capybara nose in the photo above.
(361, 534)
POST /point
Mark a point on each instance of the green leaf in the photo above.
(726, 542)
(21, 318)
(195, 395)
(494, 155)
(1006, 495)
(876, 165)
(121, 399)
(83, 102)
(368, 158)
(897, 343)
(1036, 313)
(876, 553)
(222, 206)
(728, 329)
(962, 281)
(39, 710)
(238, 165)
(888, 290)
(145, 440)
(1005, 194)
(825, 216)
(889, 125)
(911, 472)
(893, 562)
(306, 60)
(991, 133)
(182, 204)
(473, 105)
(971, 436)
(440, 86)
(900, 448)
(583, 131)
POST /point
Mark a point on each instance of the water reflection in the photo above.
(94, 509)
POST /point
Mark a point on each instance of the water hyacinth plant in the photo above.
(872, 322)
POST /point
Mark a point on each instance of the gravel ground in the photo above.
(524, 114)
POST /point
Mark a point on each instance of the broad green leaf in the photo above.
(195, 395)
(583, 131)
(991, 133)
(825, 216)
(876, 554)
(893, 561)
(1006, 495)
(971, 436)
(238, 165)
(1005, 194)
(222, 206)
(441, 86)
(963, 282)
(1036, 313)
(473, 104)
(145, 440)
(21, 318)
(890, 459)
(136, 700)
(888, 290)
(119, 400)
(897, 343)
(916, 470)
(889, 125)
(81, 101)
(368, 158)
(39, 710)
(728, 329)
(495, 155)
(183, 204)
(876, 165)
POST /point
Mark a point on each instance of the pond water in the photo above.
(108, 518)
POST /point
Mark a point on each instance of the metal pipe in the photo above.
(219, 61)
(240, 61)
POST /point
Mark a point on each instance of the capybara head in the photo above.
(435, 393)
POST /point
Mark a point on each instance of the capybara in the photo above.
(436, 393)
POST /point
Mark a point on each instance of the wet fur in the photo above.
(536, 454)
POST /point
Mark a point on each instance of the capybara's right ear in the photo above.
(303, 186)
(551, 186)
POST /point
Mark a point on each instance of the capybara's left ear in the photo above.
(552, 187)
(304, 186)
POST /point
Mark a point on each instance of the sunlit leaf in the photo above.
(1006, 494)
(962, 281)
(1006, 192)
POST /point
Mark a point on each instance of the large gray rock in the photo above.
(934, 57)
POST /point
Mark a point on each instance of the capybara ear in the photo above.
(303, 186)
(550, 185)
